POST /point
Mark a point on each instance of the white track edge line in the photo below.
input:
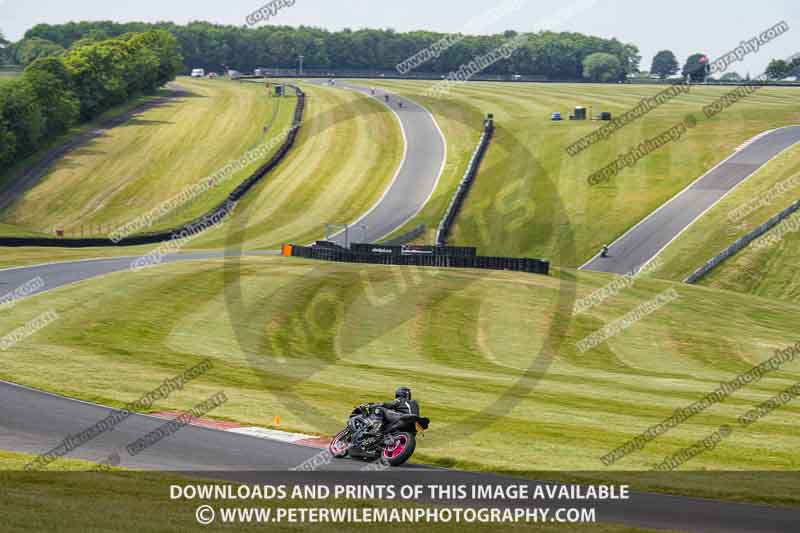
(659, 208)
(756, 171)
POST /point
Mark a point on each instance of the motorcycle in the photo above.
(374, 432)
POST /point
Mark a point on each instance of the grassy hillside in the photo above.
(345, 156)
(132, 168)
(296, 335)
(529, 189)
(335, 172)
(772, 271)
(769, 271)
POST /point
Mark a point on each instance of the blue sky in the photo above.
(684, 26)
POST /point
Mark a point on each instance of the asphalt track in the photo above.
(648, 238)
(36, 422)
(418, 174)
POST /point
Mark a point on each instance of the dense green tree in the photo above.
(8, 141)
(29, 50)
(213, 47)
(23, 115)
(56, 91)
(52, 85)
(665, 64)
(601, 66)
(98, 76)
(696, 67)
(165, 53)
(779, 69)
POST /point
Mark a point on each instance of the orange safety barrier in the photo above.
(286, 250)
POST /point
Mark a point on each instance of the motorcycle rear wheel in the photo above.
(400, 450)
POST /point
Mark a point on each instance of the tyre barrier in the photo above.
(206, 221)
(741, 243)
(519, 264)
(446, 225)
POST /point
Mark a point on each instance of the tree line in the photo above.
(215, 47)
(665, 64)
(60, 90)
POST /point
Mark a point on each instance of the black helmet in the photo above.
(403, 392)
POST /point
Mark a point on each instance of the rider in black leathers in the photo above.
(381, 413)
(403, 403)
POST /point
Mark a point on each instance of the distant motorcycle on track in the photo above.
(374, 432)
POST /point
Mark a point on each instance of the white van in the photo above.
(198, 73)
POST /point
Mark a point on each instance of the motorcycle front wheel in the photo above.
(400, 450)
(339, 445)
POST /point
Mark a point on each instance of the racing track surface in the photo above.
(645, 241)
(415, 180)
(35, 422)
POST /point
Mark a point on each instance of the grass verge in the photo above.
(300, 333)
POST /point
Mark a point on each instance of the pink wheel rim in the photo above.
(337, 446)
(390, 452)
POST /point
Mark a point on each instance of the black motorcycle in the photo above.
(374, 432)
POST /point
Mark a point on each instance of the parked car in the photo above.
(198, 73)
(556, 116)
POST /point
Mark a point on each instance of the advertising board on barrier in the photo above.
(413, 249)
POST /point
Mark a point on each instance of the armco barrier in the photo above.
(741, 243)
(466, 182)
(214, 214)
(520, 264)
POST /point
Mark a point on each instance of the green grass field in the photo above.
(297, 333)
(770, 272)
(530, 192)
(152, 157)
